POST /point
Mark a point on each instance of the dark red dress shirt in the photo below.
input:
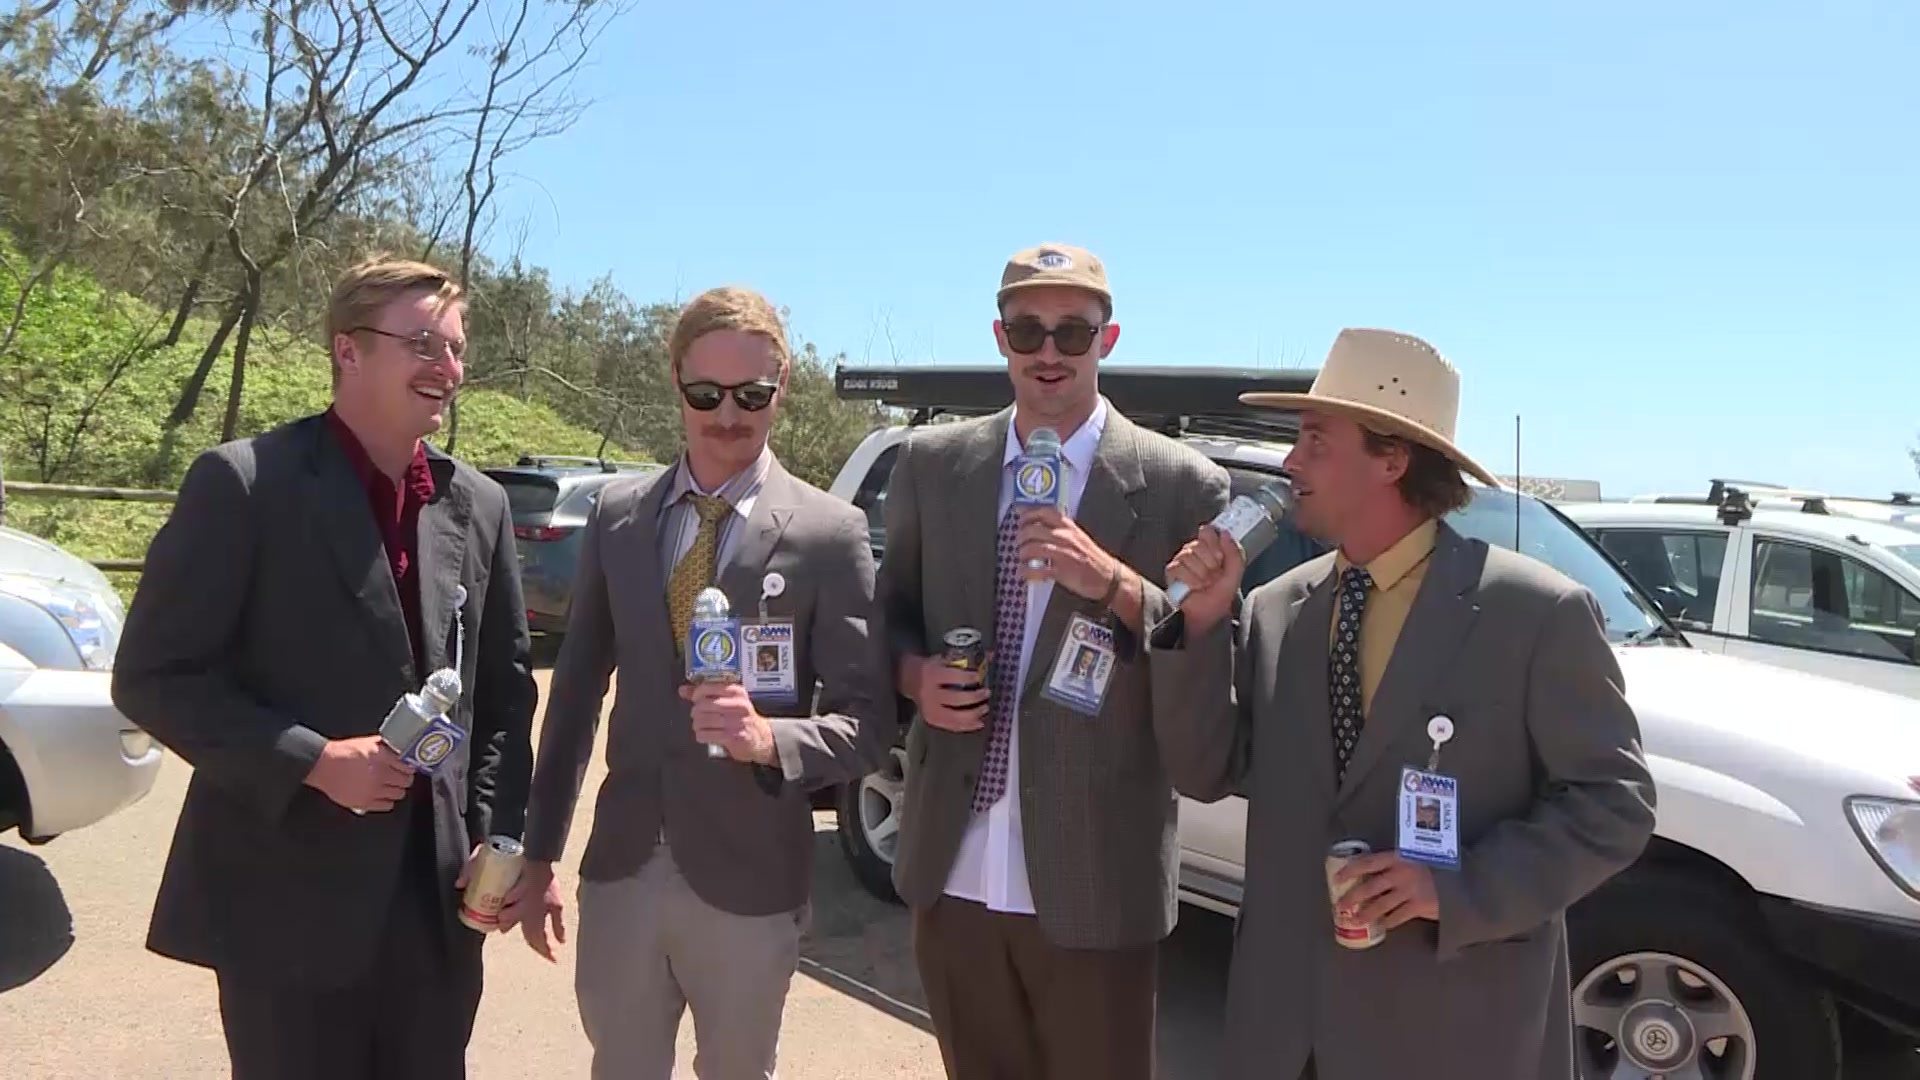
(396, 510)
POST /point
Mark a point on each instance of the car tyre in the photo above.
(869, 818)
(1705, 956)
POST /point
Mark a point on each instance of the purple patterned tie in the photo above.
(1009, 627)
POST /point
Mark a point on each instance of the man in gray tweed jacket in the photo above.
(1039, 847)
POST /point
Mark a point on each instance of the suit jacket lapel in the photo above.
(740, 576)
(1107, 516)
(1437, 625)
(442, 547)
(975, 523)
(338, 507)
(633, 542)
(1303, 673)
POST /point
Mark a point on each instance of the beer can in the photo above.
(966, 649)
(495, 872)
(1348, 933)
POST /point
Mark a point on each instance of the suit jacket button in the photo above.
(967, 779)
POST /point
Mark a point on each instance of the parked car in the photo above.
(1812, 591)
(550, 496)
(68, 758)
(1782, 886)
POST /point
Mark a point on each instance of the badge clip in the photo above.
(1440, 730)
(770, 586)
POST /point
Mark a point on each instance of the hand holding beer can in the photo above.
(1348, 933)
(495, 872)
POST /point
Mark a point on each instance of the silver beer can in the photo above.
(496, 871)
(1348, 933)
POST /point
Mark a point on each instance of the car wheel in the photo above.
(1674, 978)
(869, 815)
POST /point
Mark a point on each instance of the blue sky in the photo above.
(1679, 240)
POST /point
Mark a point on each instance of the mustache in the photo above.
(1037, 370)
(726, 431)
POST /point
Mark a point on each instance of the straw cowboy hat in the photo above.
(1392, 383)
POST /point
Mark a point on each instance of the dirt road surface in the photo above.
(80, 996)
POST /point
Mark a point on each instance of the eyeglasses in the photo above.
(1072, 338)
(752, 396)
(426, 344)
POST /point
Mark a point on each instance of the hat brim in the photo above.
(1379, 420)
(1102, 295)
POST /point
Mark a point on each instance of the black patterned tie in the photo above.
(1344, 669)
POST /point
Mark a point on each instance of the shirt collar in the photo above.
(417, 480)
(737, 487)
(1399, 560)
(1077, 448)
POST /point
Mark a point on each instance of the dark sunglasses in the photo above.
(1072, 338)
(751, 396)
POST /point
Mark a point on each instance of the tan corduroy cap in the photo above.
(1058, 265)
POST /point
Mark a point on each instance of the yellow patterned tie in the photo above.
(695, 569)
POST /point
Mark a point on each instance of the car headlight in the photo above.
(1891, 830)
(77, 611)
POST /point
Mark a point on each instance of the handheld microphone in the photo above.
(713, 646)
(1037, 477)
(1253, 521)
(419, 728)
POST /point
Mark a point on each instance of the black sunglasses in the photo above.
(751, 396)
(1072, 338)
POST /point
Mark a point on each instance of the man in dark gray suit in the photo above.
(1454, 706)
(305, 580)
(696, 876)
(1039, 846)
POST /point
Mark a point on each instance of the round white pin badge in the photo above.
(772, 585)
(1439, 729)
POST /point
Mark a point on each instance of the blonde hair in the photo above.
(728, 307)
(372, 284)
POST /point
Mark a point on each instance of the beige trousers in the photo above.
(649, 948)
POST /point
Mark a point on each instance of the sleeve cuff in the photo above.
(786, 747)
(299, 747)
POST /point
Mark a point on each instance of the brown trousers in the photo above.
(1009, 1005)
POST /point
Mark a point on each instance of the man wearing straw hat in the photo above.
(1493, 768)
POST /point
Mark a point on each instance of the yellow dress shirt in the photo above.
(1397, 574)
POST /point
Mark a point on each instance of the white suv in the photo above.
(1782, 887)
(1800, 588)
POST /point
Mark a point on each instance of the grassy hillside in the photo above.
(80, 403)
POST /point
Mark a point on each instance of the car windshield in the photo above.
(1498, 516)
(1909, 553)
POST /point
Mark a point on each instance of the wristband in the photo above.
(1113, 587)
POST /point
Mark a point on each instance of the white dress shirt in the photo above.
(991, 867)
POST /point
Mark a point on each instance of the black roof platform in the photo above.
(1172, 400)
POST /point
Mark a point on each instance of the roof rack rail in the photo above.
(537, 461)
(1173, 400)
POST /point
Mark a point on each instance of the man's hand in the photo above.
(361, 774)
(1211, 564)
(1072, 560)
(1391, 891)
(949, 699)
(723, 715)
(532, 904)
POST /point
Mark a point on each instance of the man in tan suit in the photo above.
(694, 886)
(1432, 679)
(1039, 845)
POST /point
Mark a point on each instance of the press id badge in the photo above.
(1429, 818)
(769, 665)
(1083, 667)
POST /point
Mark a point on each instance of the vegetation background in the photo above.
(181, 180)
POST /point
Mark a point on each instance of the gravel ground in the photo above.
(80, 996)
